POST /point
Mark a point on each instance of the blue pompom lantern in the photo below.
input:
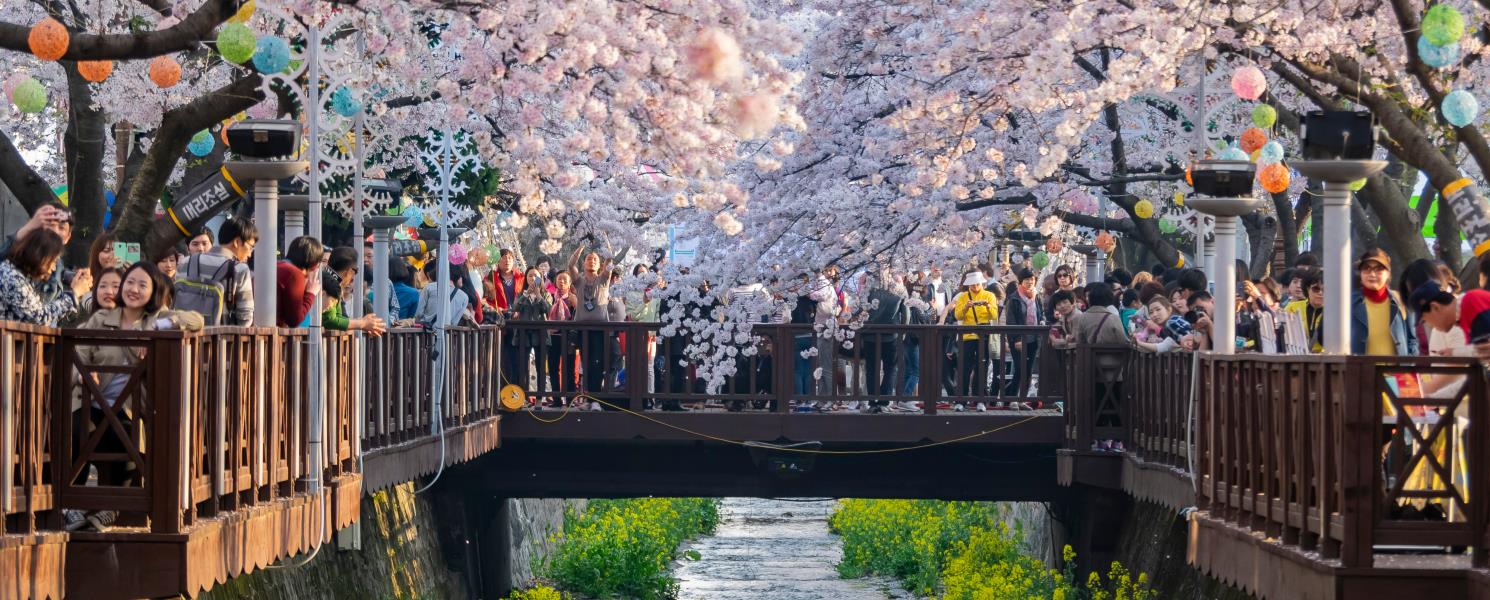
(1460, 108)
(271, 54)
(413, 215)
(1437, 57)
(1233, 153)
(344, 102)
(1270, 153)
(201, 143)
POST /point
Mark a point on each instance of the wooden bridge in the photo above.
(1291, 468)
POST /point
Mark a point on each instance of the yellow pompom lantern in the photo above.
(1105, 242)
(1274, 178)
(1054, 245)
(1179, 198)
(1253, 139)
(48, 39)
(244, 13)
(1144, 209)
(95, 71)
(165, 71)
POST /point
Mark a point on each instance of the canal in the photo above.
(777, 549)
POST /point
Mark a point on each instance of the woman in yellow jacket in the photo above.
(975, 306)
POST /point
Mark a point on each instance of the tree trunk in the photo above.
(1262, 229)
(1401, 227)
(83, 147)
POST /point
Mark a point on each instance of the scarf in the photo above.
(1377, 296)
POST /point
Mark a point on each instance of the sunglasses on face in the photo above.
(1316, 289)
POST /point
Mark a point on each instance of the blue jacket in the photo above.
(408, 299)
(1406, 339)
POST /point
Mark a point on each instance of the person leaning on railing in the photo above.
(143, 305)
(1311, 309)
(337, 280)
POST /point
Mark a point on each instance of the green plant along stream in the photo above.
(960, 551)
(950, 550)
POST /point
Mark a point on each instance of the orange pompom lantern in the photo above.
(1253, 139)
(48, 39)
(165, 71)
(1054, 245)
(1274, 178)
(1188, 179)
(95, 70)
(1105, 242)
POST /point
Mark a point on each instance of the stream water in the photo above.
(773, 549)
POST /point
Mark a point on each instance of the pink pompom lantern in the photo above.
(457, 254)
(1248, 82)
(1054, 245)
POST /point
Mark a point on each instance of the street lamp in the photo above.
(266, 146)
(1223, 188)
(1338, 147)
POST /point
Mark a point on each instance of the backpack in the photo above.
(209, 295)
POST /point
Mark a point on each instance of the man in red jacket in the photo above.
(506, 283)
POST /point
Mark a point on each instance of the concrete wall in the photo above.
(533, 524)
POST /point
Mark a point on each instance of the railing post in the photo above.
(8, 437)
(166, 385)
(783, 354)
(931, 368)
(1359, 474)
(1479, 475)
(636, 365)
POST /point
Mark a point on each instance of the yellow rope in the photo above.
(781, 448)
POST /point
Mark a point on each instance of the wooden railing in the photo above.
(775, 365)
(400, 375)
(26, 489)
(178, 426)
(1158, 411)
(1307, 449)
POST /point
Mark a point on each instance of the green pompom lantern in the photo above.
(1443, 25)
(236, 43)
(1264, 115)
(29, 96)
(1358, 185)
(1167, 226)
(1040, 259)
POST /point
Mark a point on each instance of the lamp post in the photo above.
(1338, 146)
(293, 205)
(1224, 190)
(265, 145)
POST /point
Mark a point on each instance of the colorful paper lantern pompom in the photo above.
(236, 42)
(271, 54)
(413, 215)
(1040, 260)
(29, 96)
(244, 13)
(1437, 57)
(1274, 178)
(165, 71)
(1252, 139)
(1460, 108)
(1054, 245)
(430, 219)
(1270, 153)
(1443, 25)
(1179, 198)
(458, 254)
(1144, 209)
(1233, 153)
(1358, 185)
(1105, 242)
(344, 102)
(1264, 116)
(48, 39)
(1188, 179)
(95, 71)
(201, 143)
(1167, 226)
(1248, 82)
